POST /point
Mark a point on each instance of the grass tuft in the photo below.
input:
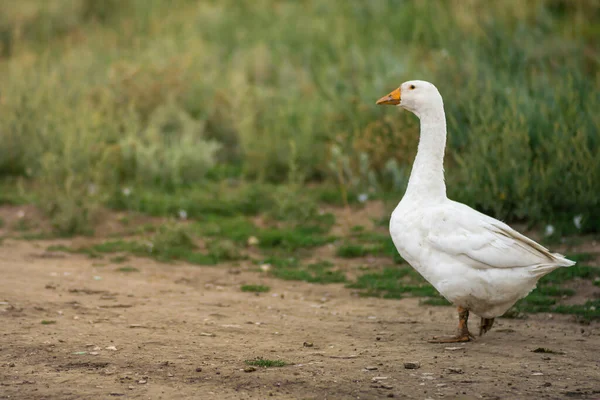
(265, 363)
(255, 288)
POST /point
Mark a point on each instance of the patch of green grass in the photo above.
(198, 202)
(363, 243)
(119, 259)
(545, 298)
(350, 250)
(580, 257)
(255, 288)
(590, 311)
(393, 283)
(562, 275)
(291, 269)
(291, 239)
(170, 243)
(237, 228)
(48, 322)
(128, 269)
(265, 363)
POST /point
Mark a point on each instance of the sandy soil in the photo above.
(180, 332)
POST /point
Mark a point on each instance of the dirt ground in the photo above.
(182, 332)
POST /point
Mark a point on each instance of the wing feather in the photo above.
(485, 242)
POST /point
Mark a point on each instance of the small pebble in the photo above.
(249, 369)
(379, 378)
(412, 365)
(198, 369)
(308, 344)
(456, 371)
(371, 368)
(142, 382)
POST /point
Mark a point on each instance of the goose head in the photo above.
(418, 97)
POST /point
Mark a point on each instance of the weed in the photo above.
(48, 322)
(265, 363)
(255, 288)
(128, 269)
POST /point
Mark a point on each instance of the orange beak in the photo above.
(392, 98)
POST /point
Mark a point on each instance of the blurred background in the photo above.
(192, 108)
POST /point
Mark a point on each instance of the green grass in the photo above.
(567, 274)
(292, 269)
(128, 269)
(119, 259)
(265, 363)
(362, 243)
(393, 283)
(255, 288)
(159, 132)
(169, 243)
(48, 322)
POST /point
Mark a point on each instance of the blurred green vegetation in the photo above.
(101, 99)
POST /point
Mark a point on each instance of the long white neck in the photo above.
(427, 177)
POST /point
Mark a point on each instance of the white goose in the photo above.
(476, 262)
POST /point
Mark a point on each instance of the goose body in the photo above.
(476, 262)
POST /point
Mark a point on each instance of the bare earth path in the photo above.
(184, 332)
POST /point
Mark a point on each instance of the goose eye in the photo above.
(412, 87)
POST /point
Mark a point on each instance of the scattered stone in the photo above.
(455, 371)
(379, 378)
(547, 384)
(142, 381)
(453, 348)
(249, 369)
(537, 374)
(207, 334)
(111, 348)
(371, 368)
(133, 326)
(170, 375)
(94, 353)
(386, 386)
(308, 344)
(12, 364)
(412, 365)
(390, 395)
(198, 369)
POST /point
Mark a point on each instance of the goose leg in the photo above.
(486, 325)
(463, 330)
